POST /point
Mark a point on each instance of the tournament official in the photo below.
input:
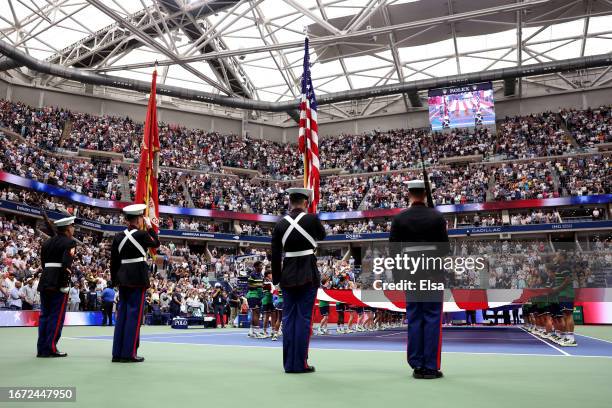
(421, 228)
(57, 255)
(130, 272)
(296, 237)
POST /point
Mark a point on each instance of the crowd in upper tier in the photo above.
(591, 126)
(532, 136)
(452, 184)
(393, 155)
(97, 180)
(536, 135)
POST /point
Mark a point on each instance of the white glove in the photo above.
(65, 290)
(147, 221)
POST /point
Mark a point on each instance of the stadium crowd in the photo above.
(528, 136)
(589, 127)
(585, 175)
(536, 135)
(96, 180)
(517, 138)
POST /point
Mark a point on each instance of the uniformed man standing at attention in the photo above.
(130, 271)
(56, 257)
(422, 230)
(296, 236)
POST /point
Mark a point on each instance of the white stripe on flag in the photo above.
(314, 136)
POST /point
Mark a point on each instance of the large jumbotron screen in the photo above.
(462, 106)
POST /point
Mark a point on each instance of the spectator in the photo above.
(16, 297)
(108, 301)
(74, 298)
(29, 295)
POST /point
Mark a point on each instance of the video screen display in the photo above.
(461, 106)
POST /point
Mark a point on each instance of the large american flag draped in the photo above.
(309, 132)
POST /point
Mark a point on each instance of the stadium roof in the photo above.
(254, 48)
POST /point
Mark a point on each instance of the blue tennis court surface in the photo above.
(481, 340)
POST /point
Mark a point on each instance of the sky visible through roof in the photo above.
(43, 28)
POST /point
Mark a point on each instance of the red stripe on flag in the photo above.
(344, 296)
(471, 299)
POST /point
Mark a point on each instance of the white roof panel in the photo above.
(65, 28)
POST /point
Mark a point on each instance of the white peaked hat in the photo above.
(63, 222)
(307, 192)
(416, 184)
(134, 209)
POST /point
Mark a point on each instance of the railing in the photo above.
(26, 210)
(231, 215)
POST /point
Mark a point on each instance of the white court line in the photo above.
(485, 338)
(390, 334)
(173, 336)
(271, 347)
(593, 338)
(547, 343)
(186, 335)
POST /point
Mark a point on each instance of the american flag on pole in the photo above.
(308, 133)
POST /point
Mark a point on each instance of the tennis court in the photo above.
(483, 366)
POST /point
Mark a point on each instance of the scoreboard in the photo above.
(461, 106)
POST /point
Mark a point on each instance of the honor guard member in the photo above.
(421, 224)
(57, 255)
(296, 236)
(130, 271)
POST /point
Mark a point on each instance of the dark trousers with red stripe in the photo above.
(297, 326)
(51, 320)
(127, 326)
(424, 334)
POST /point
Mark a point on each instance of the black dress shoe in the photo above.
(136, 359)
(430, 374)
(308, 369)
(418, 373)
(117, 360)
(52, 355)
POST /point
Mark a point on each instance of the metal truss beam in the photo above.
(454, 36)
(227, 70)
(322, 22)
(146, 39)
(341, 38)
(581, 63)
(287, 73)
(395, 54)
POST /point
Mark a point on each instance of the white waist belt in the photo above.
(299, 253)
(133, 260)
(53, 265)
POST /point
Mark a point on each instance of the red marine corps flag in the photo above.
(146, 184)
(308, 133)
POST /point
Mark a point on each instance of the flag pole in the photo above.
(149, 165)
(305, 170)
(305, 154)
